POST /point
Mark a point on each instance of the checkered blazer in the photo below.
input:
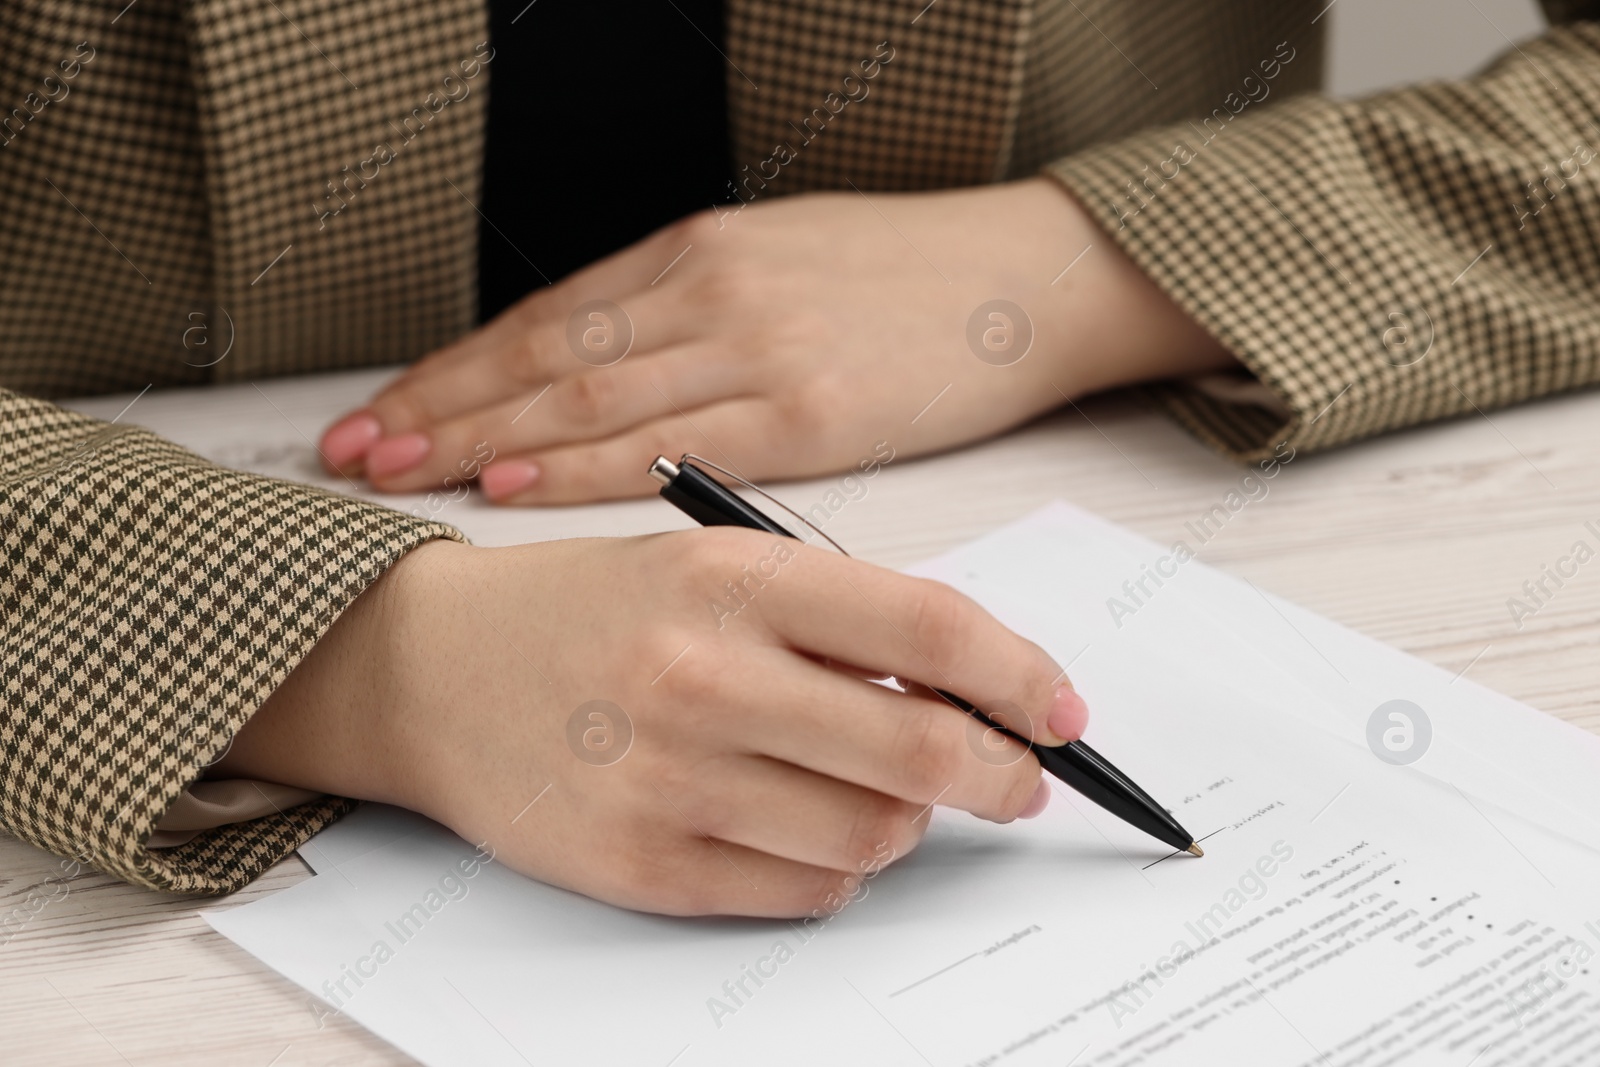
(172, 165)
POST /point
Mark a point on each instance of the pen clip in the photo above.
(703, 461)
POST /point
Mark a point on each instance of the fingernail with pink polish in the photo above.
(348, 439)
(1039, 801)
(1069, 715)
(396, 455)
(508, 477)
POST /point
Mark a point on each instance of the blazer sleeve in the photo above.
(1414, 255)
(150, 602)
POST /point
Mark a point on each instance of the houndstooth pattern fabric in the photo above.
(928, 110)
(152, 601)
(1416, 255)
(166, 164)
(306, 173)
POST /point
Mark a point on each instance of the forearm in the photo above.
(1110, 325)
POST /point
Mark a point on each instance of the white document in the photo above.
(1054, 574)
(1347, 911)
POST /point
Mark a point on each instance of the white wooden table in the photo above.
(1417, 539)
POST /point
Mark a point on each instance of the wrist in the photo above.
(1107, 324)
(338, 723)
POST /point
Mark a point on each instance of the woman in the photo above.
(1030, 201)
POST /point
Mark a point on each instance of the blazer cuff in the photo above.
(152, 602)
(1198, 219)
(1373, 263)
(192, 844)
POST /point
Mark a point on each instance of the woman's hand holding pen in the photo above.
(784, 339)
(758, 779)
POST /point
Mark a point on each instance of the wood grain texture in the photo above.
(1418, 540)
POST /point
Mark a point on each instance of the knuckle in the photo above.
(682, 890)
(1020, 782)
(880, 823)
(691, 229)
(698, 552)
(797, 329)
(588, 397)
(824, 387)
(698, 567)
(1038, 691)
(821, 895)
(706, 552)
(694, 682)
(712, 818)
(650, 874)
(454, 442)
(639, 868)
(401, 408)
(941, 624)
(725, 285)
(671, 553)
(815, 894)
(656, 645)
(930, 754)
(909, 844)
(808, 404)
(519, 364)
(539, 305)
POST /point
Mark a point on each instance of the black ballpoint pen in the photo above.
(710, 503)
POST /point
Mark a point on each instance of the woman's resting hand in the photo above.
(782, 339)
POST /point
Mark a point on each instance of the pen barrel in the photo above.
(1094, 776)
(704, 500)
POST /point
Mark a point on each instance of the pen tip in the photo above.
(1195, 850)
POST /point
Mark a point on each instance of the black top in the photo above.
(607, 119)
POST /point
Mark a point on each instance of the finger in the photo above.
(923, 631)
(538, 322)
(528, 355)
(919, 751)
(788, 811)
(723, 878)
(598, 403)
(626, 271)
(508, 359)
(614, 468)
